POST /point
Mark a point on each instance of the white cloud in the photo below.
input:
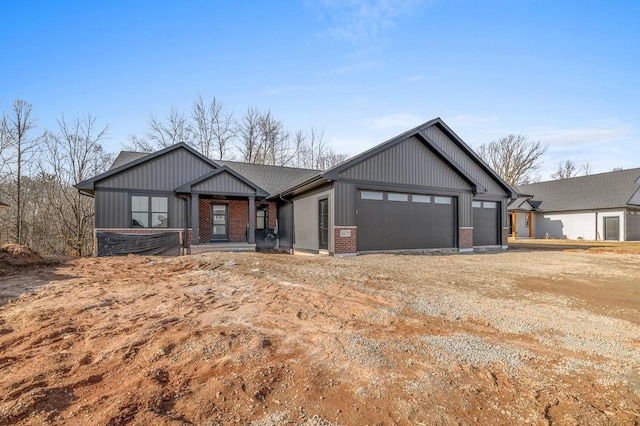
(572, 137)
(360, 66)
(361, 22)
(400, 121)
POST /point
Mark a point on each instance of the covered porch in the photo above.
(521, 218)
(222, 208)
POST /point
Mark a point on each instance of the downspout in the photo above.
(186, 222)
(292, 223)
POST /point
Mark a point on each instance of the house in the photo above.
(603, 206)
(424, 189)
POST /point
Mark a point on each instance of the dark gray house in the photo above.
(604, 206)
(424, 189)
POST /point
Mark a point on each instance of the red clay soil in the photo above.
(243, 338)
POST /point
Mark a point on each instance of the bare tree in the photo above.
(138, 144)
(212, 128)
(174, 129)
(514, 158)
(569, 169)
(565, 170)
(312, 151)
(249, 135)
(74, 155)
(17, 130)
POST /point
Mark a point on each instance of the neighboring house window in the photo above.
(262, 217)
(526, 221)
(149, 212)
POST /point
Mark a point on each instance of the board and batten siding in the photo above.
(164, 173)
(408, 163)
(113, 208)
(223, 183)
(306, 221)
(469, 165)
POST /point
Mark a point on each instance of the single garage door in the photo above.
(486, 220)
(397, 221)
(633, 226)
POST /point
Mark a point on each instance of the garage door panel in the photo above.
(397, 225)
(486, 219)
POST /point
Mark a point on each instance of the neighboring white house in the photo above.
(603, 206)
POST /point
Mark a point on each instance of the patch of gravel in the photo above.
(367, 352)
(469, 349)
(576, 330)
(284, 417)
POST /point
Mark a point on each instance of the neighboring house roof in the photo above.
(523, 203)
(273, 179)
(599, 191)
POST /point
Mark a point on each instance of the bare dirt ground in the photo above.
(520, 337)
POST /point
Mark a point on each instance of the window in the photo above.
(442, 200)
(262, 217)
(397, 197)
(490, 205)
(149, 212)
(421, 198)
(371, 195)
(526, 221)
(477, 204)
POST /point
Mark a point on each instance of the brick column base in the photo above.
(465, 239)
(505, 238)
(344, 241)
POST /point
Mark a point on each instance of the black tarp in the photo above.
(266, 239)
(163, 244)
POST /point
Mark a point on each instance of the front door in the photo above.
(612, 228)
(219, 222)
(323, 216)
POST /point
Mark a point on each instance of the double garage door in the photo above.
(397, 221)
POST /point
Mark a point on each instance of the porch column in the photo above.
(195, 219)
(514, 215)
(252, 220)
(530, 224)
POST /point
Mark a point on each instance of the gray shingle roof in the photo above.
(126, 157)
(599, 191)
(273, 179)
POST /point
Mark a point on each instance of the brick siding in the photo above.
(238, 225)
(345, 245)
(465, 238)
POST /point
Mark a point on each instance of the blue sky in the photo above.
(566, 73)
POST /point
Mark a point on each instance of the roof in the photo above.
(419, 133)
(599, 191)
(88, 185)
(126, 157)
(186, 188)
(273, 179)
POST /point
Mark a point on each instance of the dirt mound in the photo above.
(18, 255)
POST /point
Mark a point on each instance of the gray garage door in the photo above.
(486, 220)
(397, 221)
(633, 226)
